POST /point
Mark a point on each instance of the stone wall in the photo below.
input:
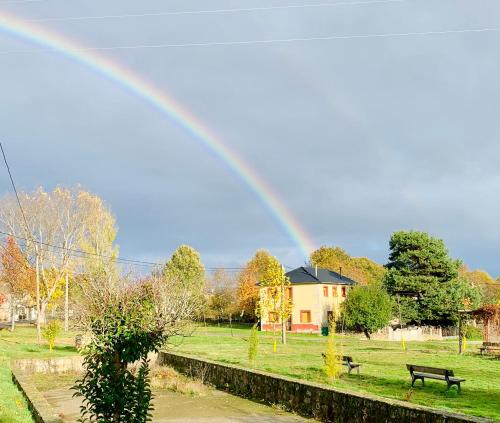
(50, 365)
(413, 333)
(40, 409)
(306, 398)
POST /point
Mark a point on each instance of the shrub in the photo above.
(253, 343)
(472, 332)
(126, 321)
(333, 367)
(50, 332)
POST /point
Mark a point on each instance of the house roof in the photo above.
(308, 275)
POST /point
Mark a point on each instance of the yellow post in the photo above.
(403, 342)
(464, 344)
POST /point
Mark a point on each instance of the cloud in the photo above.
(358, 137)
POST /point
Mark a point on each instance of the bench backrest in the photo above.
(346, 358)
(432, 370)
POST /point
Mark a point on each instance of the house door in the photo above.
(329, 317)
(289, 324)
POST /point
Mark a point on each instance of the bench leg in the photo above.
(414, 378)
(450, 384)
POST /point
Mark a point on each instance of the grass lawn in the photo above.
(22, 344)
(383, 371)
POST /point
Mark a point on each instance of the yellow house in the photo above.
(316, 295)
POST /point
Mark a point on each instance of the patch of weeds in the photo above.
(163, 377)
(280, 407)
(408, 395)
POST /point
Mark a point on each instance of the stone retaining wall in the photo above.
(307, 398)
(40, 409)
(50, 365)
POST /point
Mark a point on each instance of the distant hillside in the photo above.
(361, 269)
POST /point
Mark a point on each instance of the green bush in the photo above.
(472, 332)
(253, 343)
(50, 332)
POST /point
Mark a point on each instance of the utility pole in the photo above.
(66, 304)
(283, 306)
(459, 333)
(401, 325)
(38, 325)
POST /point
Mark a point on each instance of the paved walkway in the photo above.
(171, 407)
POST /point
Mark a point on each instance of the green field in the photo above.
(22, 344)
(383, 370)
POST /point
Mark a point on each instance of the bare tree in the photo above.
(221, 291)
(58, 224)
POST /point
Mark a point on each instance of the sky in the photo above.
(357, 136)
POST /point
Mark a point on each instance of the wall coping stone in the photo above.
(424, 414)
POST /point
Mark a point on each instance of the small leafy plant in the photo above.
(253, 344)
(333, 367)
(50, 332)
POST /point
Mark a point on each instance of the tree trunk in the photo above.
(367, 334)
(12, 313)
(66, 304)
(119, 368)
(283, 331)
(41, 316)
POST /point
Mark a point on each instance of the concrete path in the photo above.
(171, 407)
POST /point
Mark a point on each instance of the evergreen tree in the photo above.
(426, 280)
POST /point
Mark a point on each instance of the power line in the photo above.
(19, 1)
(15, 190)
(85, 254)
(264, 42)
(214, 11)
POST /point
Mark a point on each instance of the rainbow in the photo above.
(169, 107)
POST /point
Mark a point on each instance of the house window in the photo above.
(289, 293)
(305, 316)
(344, 291)
(334, 291)
(273, 317)
(325, 291)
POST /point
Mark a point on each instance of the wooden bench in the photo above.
(490, 348)
(347, 361)
(423, 372)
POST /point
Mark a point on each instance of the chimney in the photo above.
(341, 273)
(316, 270)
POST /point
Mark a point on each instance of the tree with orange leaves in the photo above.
(361, 269)
(248, 291)
(17, 276)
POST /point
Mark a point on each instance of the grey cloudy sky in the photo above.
(359, 137)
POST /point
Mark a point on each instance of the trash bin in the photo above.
(324, 331)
